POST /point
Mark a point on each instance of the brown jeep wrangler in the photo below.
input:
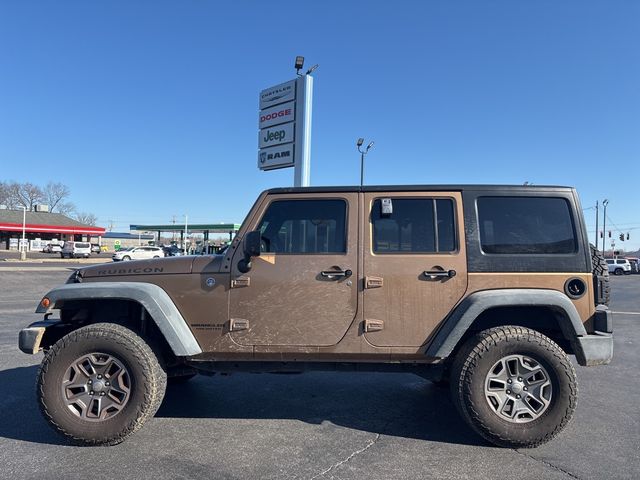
(486, 288)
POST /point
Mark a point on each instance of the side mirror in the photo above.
(250, 248)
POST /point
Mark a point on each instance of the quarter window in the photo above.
(526, 225)
(416, 225)
(304, 227)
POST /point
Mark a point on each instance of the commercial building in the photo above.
(42, 227)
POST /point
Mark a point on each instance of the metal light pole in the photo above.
(362, 155)
(23, 251)
(605, 202)
(597, 240)
(186, 224)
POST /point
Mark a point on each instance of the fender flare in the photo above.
(457, 324)
(154, 299)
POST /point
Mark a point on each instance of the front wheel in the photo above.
(514, 386)
(618, 271)
(126, 258)
(98, 384)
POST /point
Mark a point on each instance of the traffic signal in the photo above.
(622, 237)
(600, 234)
(627, 235)
(609, 233)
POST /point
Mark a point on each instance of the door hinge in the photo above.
(240, 282)
(236, 324)
(373, 282)
(371, 325)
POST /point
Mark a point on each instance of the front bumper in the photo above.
(30, 338)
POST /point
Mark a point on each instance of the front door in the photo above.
(302, 289)
(414, 265)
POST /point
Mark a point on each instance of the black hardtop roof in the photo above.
(422, 188)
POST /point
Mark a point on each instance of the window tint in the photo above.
(417, 225)
(610, 262)
(516, 225)
(304, 226)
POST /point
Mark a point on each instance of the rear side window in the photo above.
(304, 227)
(526, 225)
(416, 225)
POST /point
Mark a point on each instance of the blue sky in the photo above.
(148, 109)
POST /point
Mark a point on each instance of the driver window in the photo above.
(304, 227)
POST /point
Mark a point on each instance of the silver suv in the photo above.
(619, 266)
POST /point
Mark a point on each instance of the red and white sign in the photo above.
(277, 115)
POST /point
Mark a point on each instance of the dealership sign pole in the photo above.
(284, 122)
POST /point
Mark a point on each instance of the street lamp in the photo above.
(605, 202)
(359, 144)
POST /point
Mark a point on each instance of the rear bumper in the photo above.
(597, 348)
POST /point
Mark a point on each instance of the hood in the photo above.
(157, 266)
(162, 266)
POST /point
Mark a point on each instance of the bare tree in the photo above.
(4, 193)
(26, 194)
(55, 195)
(87, 218)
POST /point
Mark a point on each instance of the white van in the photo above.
(76, 250)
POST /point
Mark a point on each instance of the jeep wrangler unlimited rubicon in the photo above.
(486, 288)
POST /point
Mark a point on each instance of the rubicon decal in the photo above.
(130, 271)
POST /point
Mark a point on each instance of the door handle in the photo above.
(335, 274)
(433, 274)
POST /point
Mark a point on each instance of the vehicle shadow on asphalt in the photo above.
(400, 405)
(18, 395)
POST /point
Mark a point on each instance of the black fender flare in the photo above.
(459, 321)
(154, 299)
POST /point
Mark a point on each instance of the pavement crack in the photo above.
(352, 455)
(544, 462)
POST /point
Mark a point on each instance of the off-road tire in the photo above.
(148, 383)
(471, 367)
(600, 268)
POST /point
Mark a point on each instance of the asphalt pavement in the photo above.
(317, 425)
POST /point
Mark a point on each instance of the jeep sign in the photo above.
(280, 156)
(276, 135)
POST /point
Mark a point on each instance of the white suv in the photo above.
(138, 253)
(619, 266)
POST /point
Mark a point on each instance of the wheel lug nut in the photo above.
(91, 392)
(525, 389)
(509, 381)
(518, 396)
(90, 382)
(508, 392)
(99, 376)
(107, 383)
(519, 378)
(102, 394)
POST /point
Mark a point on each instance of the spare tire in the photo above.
(600, 270)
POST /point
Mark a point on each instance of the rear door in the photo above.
(414, 264)
(302, 289)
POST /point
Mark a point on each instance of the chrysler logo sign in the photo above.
(284, 92)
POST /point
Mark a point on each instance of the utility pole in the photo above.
(605, 202)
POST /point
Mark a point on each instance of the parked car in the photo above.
(487, 288)
(76, 250)
(619, 266)
(635, 264)
(138, 253)
(95, 248)
(172, 251)
(52, 248)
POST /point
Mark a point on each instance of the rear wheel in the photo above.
(98, 384)
(514, 386)
(618, 271)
